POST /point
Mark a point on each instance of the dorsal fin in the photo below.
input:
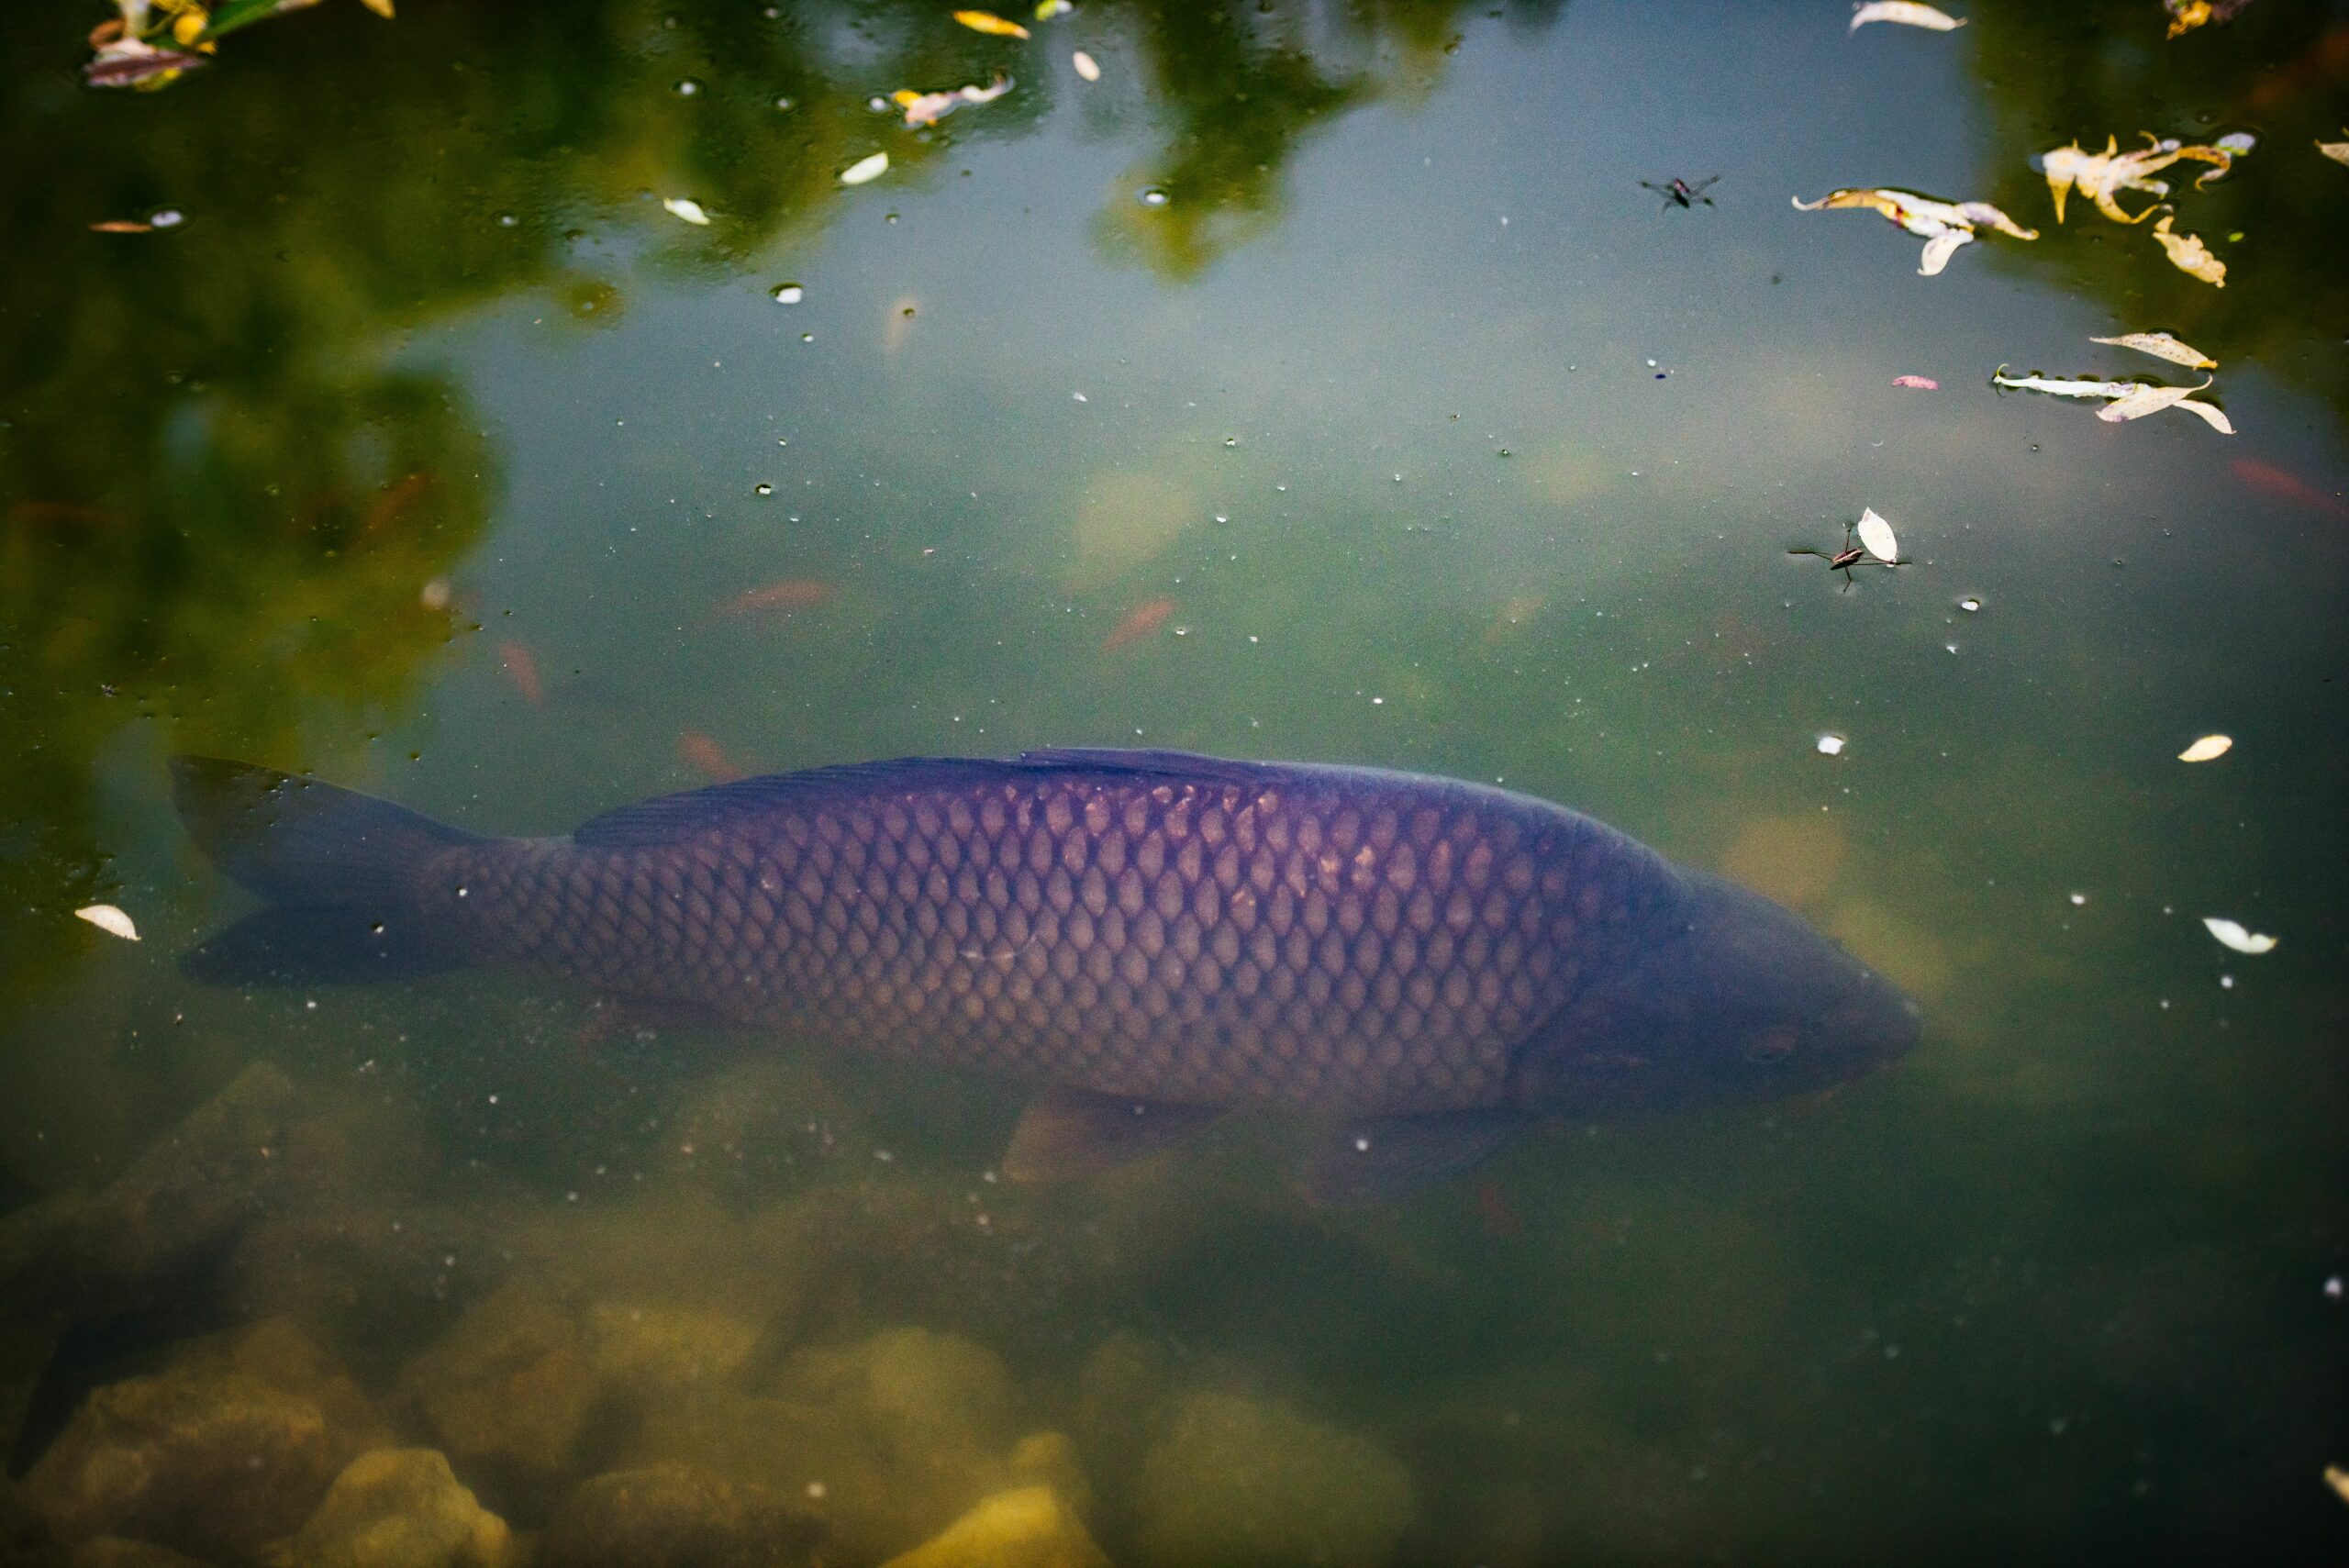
(669, 817)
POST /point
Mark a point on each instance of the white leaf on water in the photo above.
(1876, 534)
(2231, 934)
(865, 170)
(1940, 248)
(2237, 143)
(2162, 346)
(110, 921)
(688, 209)
(1906, 13)
(2143, 401)
(2210, 748)
(2067, 388)
(1830, 745)
(2336, 150)
(1085, 66)
(2208, 414)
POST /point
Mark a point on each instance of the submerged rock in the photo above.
(1235, 1480)
(673, 1516)
(647, 1349)
(114, 1551)
(212, 1464)
(401, 1508)
(1031, 1528)
(506, 1390)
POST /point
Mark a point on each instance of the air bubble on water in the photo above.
(166, 217)
(785, 103)
(762, 489)
(807, 337)
(1231, 440)
(1182, 631)
(787, 293)
(1651, 365)
(1361, 1145)
(1153, 197)
(1969, 603)
(507, 220)
(1830, 745)
(2226, 983)
(1222, 518)
(879, 105)
(687, 87)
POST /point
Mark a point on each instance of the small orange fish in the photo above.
(699, 750)
(396, 498)
(1146, 617)
(797, 594)
(523, 670)
(2285, 485)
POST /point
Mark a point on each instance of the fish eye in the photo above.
(1776, 1046)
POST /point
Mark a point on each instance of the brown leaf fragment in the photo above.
(126, 62)
(122, 225)
(381, 7)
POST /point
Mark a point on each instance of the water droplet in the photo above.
(687, 87)
(787, 293)
(1182, 631)
(1969, 603)
(1153, 197)
(762, 489)
(166, 217)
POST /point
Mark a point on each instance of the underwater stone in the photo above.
(1236, 1480)
(673, 1516)
(1050, 1459)
(210, 1464)
(401, 1508)
(507, 1388)
(647, 1347)
(1029, 1528)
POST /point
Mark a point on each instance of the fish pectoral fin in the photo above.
(1077, 1132)
(1386, 1158)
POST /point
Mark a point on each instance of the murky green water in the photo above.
(432, 454)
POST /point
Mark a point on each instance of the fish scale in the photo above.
(1183, 940)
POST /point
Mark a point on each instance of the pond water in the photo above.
(1318, 383)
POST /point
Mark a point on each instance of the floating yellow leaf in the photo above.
(2336, 150)
(2185, 16)
(988, 22)
(2210, 748)
(110, 921)
(2162, 346)
(2189, 255)
(1943, 226)
(688, 209)
(1047, 9)
(2100, 176)
(926, 108)
(1906, 13)
(1086, 67)
(381, 7)
(2153, 399)
(2231, 934)
(865, 170)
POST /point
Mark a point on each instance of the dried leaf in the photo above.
(2143, 401)
(2208, 413)
(1085, 66)
(2100, 176)
(126, 62)
(1907, 13)
(1876, 534)
(1943, 226)
(688, 209)
(2189, 255)
(926, 108)
(988, 22)
(2162, 346)
(1940, 248)
(2334, 1476)
(2210, 748)
(381, 7)
(865, 170)
(2336, 150)
(110, 921)
(2067, 388)
(2185, 16)
(2231, 934)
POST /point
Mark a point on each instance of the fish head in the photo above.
(1732, 999)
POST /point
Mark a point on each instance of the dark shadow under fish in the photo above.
(1151, 937)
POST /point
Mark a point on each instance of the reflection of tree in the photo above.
(218, 505)
(2056, 73)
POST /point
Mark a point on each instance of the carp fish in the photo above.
(1150, 937)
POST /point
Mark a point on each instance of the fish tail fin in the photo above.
(343, 873)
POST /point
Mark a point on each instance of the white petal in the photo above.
(2208, 749)
(1085, 66)
(1906, 13)
(2162, 346)
(688, 209)
(865, 169)
(1939, 249)
(1830, 745)
(110, 921)
(2231, 934)
(1876, 534)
